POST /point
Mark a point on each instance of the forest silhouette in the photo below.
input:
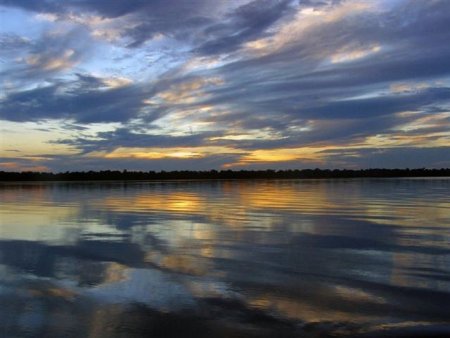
(112, 175)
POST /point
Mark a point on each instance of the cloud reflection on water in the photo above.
(359, 252)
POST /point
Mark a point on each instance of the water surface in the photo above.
(308, 258)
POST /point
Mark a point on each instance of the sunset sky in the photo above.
(235, 84)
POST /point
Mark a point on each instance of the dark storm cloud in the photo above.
(403, 55)
(197, 21)
(377, 106)
(210, 34)
(85, 99)
(108, 8)
(292, 84)
(123, 137)
(35, 6)
(149, 17)
(246, 23)
(331, 132)
(318, 3)
(336, 132)
(304, 107)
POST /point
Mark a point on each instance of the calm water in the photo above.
(310, 258)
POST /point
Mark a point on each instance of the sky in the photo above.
(235, 84)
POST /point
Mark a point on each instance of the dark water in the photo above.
(364, 258)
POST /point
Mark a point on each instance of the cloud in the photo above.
(53, 53)
(258, 76)
(140, 21)
(61, 163)
(48, 62)
(85, 99)
(377, 106)
(148, 17)
(10, 42)
(401, 157)
(22, 164)
(124, 137)
(245, 23)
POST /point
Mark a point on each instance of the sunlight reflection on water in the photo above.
(253, 256)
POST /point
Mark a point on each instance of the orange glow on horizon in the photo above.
(162, 153)
(19, 167)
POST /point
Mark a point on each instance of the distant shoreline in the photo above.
(115, 175)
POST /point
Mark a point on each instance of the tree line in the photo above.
(113, 175)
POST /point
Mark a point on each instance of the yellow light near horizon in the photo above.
(280, 154)
(161, 153)
(247, 156)
(269, 156)
(32, 139)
